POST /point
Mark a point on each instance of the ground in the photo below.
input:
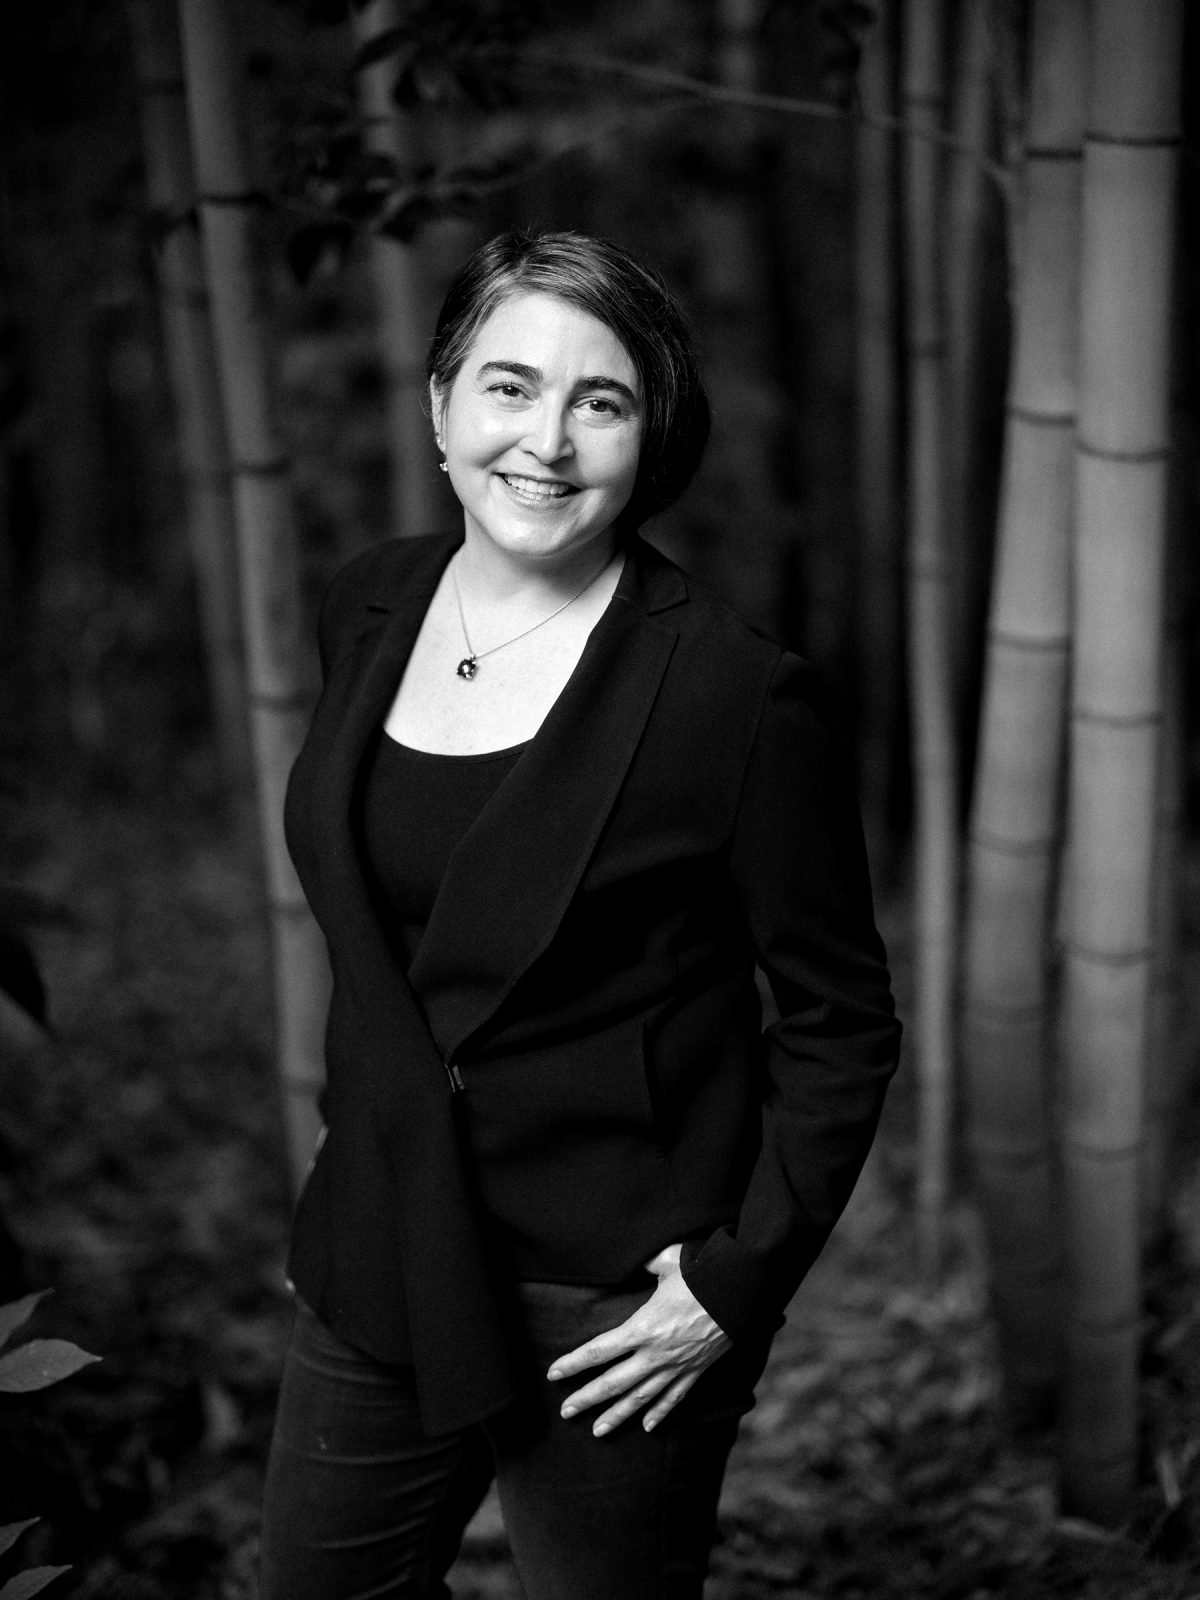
(141, 1175)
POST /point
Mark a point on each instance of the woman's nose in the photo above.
(549, 433)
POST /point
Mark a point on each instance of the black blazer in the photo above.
(587, 976)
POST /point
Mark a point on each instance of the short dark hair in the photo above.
(631, 300)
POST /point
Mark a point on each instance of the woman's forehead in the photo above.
(544, 331)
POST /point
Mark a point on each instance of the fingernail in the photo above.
(601, 1428)
(567, 1413)
(649, 1422)
(553, 1374)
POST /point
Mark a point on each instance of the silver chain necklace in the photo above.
(469, 665)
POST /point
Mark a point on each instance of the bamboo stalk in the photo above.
(270, 587)
(192, 374)
(399, 298)
(1167, 1076)
(965, 218)
(1129, 174)
(877, 440)
(935, 759)
(1164, 1075)
(731, 270)
(1014, 827)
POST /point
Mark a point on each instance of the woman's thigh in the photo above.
(630, 1516)
(359, 1502)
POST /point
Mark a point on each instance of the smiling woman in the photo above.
(553, 808)
(541, 449)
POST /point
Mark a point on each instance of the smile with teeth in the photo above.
(536, 491)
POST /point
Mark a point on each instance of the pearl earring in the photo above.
(442, 467)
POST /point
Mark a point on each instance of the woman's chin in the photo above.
(539, 536)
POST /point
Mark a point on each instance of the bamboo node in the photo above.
(1137, 141)
(1115, 719)
(1107, 453)
(1074, 1145)
(235, 198)
(1039, 418)
(1053, 152)
(1105, 958)
(979, 1006)
(1012, 847)
(268, 700)
(1038, 644)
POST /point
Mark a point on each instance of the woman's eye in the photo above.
(601, 406)
(507, 391)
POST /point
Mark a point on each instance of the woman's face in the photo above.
(541, 429)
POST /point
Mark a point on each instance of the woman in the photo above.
(553, 807)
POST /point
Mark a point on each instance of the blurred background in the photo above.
(940, 257)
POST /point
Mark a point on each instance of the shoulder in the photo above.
(375, 579)
(378, 573)
(718, 643)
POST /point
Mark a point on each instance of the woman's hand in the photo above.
(667, 1344)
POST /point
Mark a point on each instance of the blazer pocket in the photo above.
(595, 1088)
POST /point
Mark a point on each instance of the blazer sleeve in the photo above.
(800, 873)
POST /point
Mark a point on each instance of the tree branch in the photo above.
(789, 105)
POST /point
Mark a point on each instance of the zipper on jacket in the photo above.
(455, 1076)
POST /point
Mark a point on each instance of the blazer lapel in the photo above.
(512, 876)
(357, 695)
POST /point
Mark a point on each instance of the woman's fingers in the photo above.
(631, 1402)
(617, 1383)
(666, 1343)
(604, 1347)
(668, 1401)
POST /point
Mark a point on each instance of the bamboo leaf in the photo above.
(380, 47)
(311, 246)
(19, 975)
(12, 1531)
(31, 1582)
(27, 908)
(17, 1312)
(40, 1363)
(406, 221)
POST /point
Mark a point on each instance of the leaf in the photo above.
(12, 1531)
(325, 13)
(309, 247)
(19, 975)
(16, 1312)
(23, 908)
(40, 1363)
(406, 220)
(31, 1582)
(486, 89)
(380, 47)
(376, 166)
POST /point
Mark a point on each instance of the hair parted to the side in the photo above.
(604, 280)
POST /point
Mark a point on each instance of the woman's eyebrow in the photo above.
(615, 384)
(519, 369)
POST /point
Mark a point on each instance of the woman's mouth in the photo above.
(537, 491)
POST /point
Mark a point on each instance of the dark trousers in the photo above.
(360, 1502)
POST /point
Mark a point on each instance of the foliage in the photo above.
(511, 84)
(35, 1364)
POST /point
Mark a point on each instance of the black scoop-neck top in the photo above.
(416, 806)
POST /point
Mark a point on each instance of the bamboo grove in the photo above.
(1007, 609)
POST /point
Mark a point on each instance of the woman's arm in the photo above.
(799, 869)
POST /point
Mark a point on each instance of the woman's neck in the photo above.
(495, 576)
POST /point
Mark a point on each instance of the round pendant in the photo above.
(467, 667)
